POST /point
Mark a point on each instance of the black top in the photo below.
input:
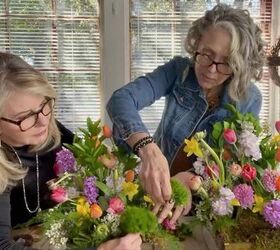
(12, 207)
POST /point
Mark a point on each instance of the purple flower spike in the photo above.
(90, 189)
(65, 161)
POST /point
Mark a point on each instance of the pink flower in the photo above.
(108, 160)
(229, 135)
(116, 206)
(59, 195)
(195, 182)
(235, 169)
(277, 126)
(248, 172)
(212, 170)
(168, 225)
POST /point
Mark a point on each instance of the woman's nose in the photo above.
(42, 119)
(212, 68)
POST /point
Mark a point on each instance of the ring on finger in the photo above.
(171, 201)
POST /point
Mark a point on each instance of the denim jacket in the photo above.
(186, 108)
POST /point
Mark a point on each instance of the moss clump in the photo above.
(180, 194)
(252, 228)
(138, 220)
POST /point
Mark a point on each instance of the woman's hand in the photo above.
(169, 207)
(155, 174)
(128, 242)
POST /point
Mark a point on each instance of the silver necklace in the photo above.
(23, 184)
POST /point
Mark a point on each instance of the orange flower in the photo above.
(277, 183)
(277, 155)
(95, 211)
(107, 132)
(129, 175)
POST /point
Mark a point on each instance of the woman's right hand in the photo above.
(155, 175)
(128, 242)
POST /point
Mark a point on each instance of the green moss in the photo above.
(180, 193)
(252, 228)
(138, 220)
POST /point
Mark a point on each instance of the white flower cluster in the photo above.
(114, 220)
(57, 236)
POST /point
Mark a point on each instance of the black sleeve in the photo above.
(6, 242)
(66, 135)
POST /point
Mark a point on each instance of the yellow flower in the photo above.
(192, 147)
(83, 207)
(130, 189)
(258, 207)
(148, 199)
(275, 139)
(235, 202)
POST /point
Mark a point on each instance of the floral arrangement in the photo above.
(238, 178)
(99, 196)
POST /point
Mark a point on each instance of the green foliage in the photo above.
(138, 220)
(180, 193)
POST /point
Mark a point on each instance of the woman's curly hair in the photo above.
(247, 47)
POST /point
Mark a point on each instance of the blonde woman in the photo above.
(30, 136)
(226, 55)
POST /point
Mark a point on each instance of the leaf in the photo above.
(103, 187)
(217, 130)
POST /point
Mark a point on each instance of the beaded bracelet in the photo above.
(142, 143)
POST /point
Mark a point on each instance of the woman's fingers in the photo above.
(176, 214)
(166, 211)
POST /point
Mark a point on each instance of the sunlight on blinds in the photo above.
(61, 38)
(158, 29)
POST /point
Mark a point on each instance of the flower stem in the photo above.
(217, 160)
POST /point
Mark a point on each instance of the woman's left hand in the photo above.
(169, 208)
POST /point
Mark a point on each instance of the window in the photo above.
(61, 38)
(158, 29)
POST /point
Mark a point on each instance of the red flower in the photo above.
(277, 126)
(59, 195)
(229, 135)
(248, 172)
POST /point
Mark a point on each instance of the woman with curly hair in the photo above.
(226, 56)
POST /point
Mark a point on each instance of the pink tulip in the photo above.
(108, 160)
(277, 126)
(235, 169)
(229, 136)
(116, 205)
(212, 171)
(195, 182)
(59, 195)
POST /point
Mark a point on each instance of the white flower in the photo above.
(249, 144)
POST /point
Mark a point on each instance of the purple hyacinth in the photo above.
(269, 180)
(244, 194)
(271, 213)
(90, 189)
(65, 161)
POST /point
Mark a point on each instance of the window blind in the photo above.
(158, 29)
(60, 38)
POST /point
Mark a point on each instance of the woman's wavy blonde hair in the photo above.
(16, 74)
(247, 47)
